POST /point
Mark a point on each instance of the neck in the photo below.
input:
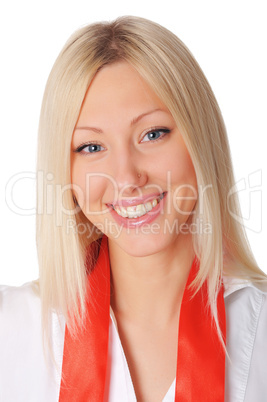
(149, 289)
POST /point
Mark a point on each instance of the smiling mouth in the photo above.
(136, 211)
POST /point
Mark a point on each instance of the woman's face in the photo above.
(131, 172)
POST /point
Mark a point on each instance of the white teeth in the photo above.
(122, 212)
(141, 208)
(132, 214)
(149, 206)
(130, 209)
(136, 211)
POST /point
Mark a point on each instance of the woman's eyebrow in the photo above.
(138, 118)
(95, 129)
(134, 121)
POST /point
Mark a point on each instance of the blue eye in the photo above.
(156, 134)
(89, 148)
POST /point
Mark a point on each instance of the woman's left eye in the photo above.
(90, 148)
(156, 134)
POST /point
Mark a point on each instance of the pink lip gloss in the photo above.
(132, 223)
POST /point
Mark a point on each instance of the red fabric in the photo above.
(201, 357)
(200, 360)
(85, 356)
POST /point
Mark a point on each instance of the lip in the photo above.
(136, 201)
(150, 216)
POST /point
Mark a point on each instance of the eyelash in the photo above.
(165, 131)
(85, 145)
(158, 130)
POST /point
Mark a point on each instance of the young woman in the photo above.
(147, 290)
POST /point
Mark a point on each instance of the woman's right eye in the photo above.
(89, 148)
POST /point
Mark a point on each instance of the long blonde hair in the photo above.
(172, 72)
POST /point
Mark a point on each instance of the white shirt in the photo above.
(28, 375)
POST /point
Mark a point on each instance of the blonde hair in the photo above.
(172, 72)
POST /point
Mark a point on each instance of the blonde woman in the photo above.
(148, 290)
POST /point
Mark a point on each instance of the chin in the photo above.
(141, 245)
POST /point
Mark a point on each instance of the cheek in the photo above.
(78, 180)
(88, 187)
(177, 163)
(184, 198)
(183, 181)
(183, 170)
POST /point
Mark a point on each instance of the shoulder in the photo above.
(15, 301)
(246, 302)
(246, 308)
(24, 361)
(246, 340)
(244, 293)
(20, 313)
(14, 293)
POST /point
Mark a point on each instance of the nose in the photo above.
(129, 175)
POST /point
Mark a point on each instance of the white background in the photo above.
(228, 38)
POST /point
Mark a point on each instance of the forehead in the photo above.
(119, 89)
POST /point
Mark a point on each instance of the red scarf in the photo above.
(201, 358)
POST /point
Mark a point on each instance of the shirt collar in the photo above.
(232, 285)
